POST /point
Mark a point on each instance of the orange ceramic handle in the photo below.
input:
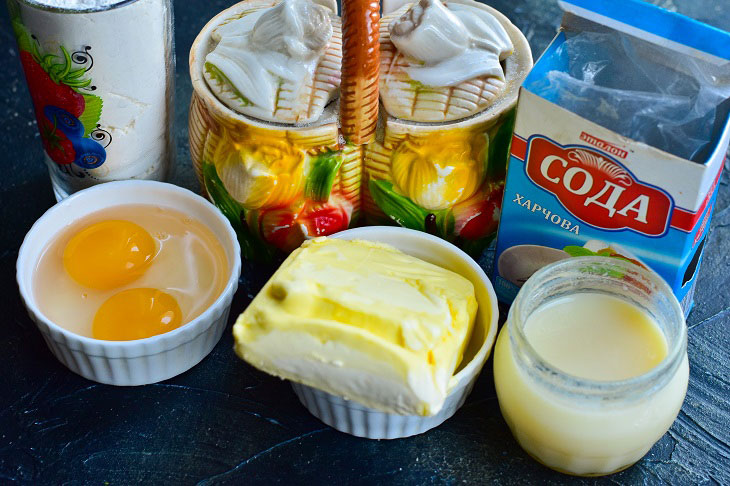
(360, 64)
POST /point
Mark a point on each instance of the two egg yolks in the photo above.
(111, 254)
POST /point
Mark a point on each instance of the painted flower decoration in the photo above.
(84, 152)
(66, 117)
(439, 171)
(260, 171)
(287, 227)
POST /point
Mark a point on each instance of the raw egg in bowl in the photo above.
(130, 282)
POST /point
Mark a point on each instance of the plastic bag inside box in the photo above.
(670, 100)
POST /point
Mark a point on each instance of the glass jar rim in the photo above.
(579, 387)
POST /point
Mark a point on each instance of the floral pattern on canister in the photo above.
(66, 111)
(269, 153)
(276, 186)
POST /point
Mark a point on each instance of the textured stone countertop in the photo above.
(224, 422)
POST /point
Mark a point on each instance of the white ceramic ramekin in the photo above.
(141, 361)
(356, 419)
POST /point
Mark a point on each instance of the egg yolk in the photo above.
(136, 314)
(108, 254)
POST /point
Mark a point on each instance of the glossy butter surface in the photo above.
(361, 320)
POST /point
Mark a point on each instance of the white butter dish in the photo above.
(361, 421)
(140, 361)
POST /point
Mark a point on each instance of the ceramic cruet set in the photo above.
(368, 148)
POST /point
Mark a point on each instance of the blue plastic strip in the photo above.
(661, 22)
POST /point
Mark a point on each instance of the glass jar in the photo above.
(100, 74)
(577, 425)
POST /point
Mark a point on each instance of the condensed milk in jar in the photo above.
(591, 367)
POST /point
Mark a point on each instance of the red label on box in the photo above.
(597, 189)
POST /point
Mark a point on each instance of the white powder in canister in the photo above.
(76, 4)
(128, 50)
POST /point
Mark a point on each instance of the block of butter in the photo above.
(363, 321)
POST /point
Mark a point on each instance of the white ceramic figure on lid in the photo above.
(442, 62)
(275, 64)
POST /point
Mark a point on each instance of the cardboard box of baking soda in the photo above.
(621, 133)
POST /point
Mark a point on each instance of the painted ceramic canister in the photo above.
(286, 98)
(100, 77)
(449, 79)
(263, 123)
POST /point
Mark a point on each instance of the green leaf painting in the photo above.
(399, 208)
(252, 247)
(322, 175)
(500, 142)
(92, 113)
(25, 42)
(408, 214)
(230, 208)
(221, 78)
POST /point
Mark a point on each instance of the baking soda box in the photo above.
(576, 188)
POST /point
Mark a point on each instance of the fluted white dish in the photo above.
(356, 419)
(141, 361)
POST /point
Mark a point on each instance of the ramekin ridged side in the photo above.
(361, 421)
(140, 361)
(355, 419)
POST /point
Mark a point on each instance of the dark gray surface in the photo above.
(223, 422)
